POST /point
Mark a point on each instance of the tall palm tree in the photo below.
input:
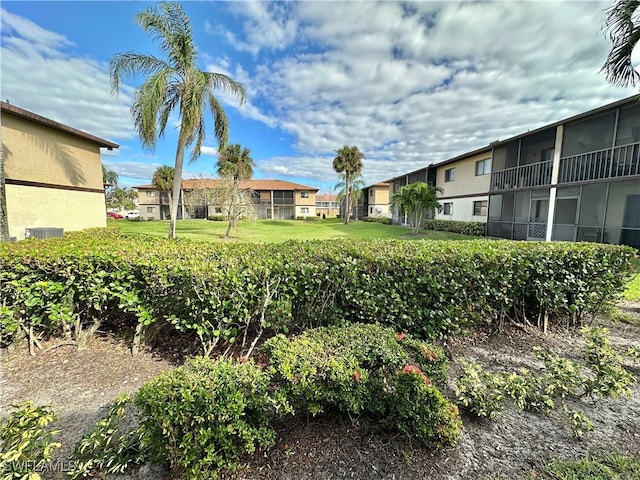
(624, 34)
(348, 162)
(163, 182)
(109, 178)
(417, 200)
(355, 189)
(173, 83)
(234, 164)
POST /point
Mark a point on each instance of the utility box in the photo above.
(43, 232)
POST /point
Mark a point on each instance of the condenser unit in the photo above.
(43, 232)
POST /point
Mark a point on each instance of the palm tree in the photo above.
(417, 200)
(234, 164)
(109, 178)
(355, 189)
(624, 34)
(173, 84)
(348, 162)
(163, 182)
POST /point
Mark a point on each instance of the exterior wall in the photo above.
(463, 209)
(34, 207)
(305, 207)
(377, 201)
(53, 178)
(466, 181)
(150, 199)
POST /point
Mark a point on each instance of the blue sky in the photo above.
(409, 83)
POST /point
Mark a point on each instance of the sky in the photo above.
(408, 83)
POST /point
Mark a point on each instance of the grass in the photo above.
(632, 292)
(610, 467)
(274, 231)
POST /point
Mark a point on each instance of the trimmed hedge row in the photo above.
(236, 293)
(383, 220)
(477, 229)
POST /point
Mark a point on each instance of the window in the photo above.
(151, 193)
(371, 193)
(480, 207)
(150, 209)
(546, 155)
(448, 208)
(304, 194)
(483, 167)
(450, 174)
(304, 210)
(370, 210)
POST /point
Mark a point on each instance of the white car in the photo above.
(132, 215)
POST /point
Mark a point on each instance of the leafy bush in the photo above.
(477, 229)
(222, 294)
(202, 416)
(601, 374)
(27, 441)
(114, 444)
(216, 218)
(309, 218)
(367, 369)
(383, 220)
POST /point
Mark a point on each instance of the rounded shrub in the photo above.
(201, 417)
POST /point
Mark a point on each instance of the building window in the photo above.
(304, 194)
(151, 193)
(150, 209)
(448, 208)
(304, 210)
(371, 193)
(546, 155)
(480, 207)
(450, 174)
(483, 167)
(370, 210)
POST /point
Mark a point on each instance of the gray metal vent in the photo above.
(48, 232)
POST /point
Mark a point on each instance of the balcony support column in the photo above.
(555, 173)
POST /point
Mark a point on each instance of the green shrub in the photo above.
(216, 218)
(601, 374)
(113, 446)
(201, 417)
(231, 293)
(367, 369)
(383, 220)
(27, 441)
(477, 229)
(310, 218)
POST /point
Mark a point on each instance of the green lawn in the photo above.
(273, 231)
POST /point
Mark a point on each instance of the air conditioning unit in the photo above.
(44, 232)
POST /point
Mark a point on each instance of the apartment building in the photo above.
(574, 180)
(201, 198)
(376, 200)
(327, 205)
(53, 175)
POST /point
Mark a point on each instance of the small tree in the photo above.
(163, 182)
(234, 165)
(418, 201)
(109, 178)
(121, 198)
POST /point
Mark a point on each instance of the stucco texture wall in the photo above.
(33, 207)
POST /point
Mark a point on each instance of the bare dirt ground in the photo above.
(80, 385)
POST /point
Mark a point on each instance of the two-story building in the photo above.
(576, 180)
(271, 199)
(53, 175)
(376, 200)
(327, 205)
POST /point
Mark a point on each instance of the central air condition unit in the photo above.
(43, 232)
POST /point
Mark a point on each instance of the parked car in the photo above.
(135, 214)
(114, 215)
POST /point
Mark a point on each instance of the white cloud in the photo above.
(416, 83)
(70, 89)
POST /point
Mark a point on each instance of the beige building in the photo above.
(271, 199)
(377, 200)
(53, 175)
(327, 205)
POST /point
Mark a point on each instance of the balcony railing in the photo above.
(608, 163)
(532, 175)
(275, 201)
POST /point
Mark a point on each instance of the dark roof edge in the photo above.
(27, 115)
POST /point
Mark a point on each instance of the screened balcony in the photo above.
(622, 161)
(533, 175)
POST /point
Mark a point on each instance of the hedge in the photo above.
(477, 229)
(221, 294)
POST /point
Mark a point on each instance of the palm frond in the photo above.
(623, 29)
(124, 65)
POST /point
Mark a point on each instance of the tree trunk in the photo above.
(347, 199)
(4, 219)
(177, 184)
